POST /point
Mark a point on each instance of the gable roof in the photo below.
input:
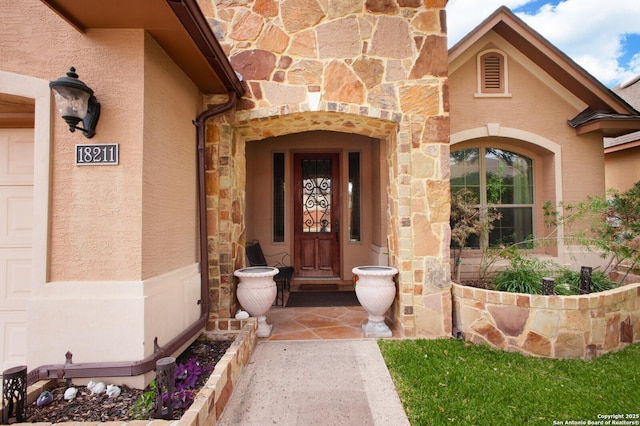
(177, 25)
(606, 113)
(630, 91)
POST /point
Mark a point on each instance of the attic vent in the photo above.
(492, 80)
(492, 73)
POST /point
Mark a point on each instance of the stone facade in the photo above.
(549, 326)
(375, 68)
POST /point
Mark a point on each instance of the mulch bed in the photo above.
(100, 408)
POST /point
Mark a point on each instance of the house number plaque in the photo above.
(97, 154)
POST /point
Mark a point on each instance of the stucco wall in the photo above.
(148, 106)
(531, 119)
(118, 266)
(169, 201)
(621, 169)
(96, 216)
(537, 105)
(85, 241)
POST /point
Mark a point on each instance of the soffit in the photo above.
(187, 39)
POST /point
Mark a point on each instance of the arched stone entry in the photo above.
(415, 243)
(377, 69)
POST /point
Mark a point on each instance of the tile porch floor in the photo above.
(321, 323)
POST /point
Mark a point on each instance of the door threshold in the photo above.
(334, 278)
(321, 284)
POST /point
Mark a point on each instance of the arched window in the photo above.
(492, 73)
(500, 179)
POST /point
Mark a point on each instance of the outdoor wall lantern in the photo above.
(75, 103)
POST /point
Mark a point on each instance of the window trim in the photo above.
(503, 66)
(482, 181)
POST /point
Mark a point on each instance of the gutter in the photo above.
(136, 368)
(199, 30)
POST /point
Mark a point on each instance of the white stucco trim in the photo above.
(378, 255)
(37, 89)
(495, 130)
(505, 75)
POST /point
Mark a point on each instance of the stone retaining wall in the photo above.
(210, 401)
(549, 326)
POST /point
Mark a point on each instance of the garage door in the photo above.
(16, 220)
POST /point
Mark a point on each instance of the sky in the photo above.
(603, 37)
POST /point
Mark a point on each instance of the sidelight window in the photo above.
(278, 197)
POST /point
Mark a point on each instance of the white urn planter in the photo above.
(256, 293)
(376, 291)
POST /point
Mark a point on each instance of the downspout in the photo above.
(202, 192)
(136, 368)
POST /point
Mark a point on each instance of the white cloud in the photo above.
(591, 32)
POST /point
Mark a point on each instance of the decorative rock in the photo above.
(392, 39)
(273, 39)
(338, 9)
(379, 97)
(266, 8)
(96, 388)
(509, 319)
(546, 323)
(70, 394)
(626, 331)
(381, 6)
(430, 57)
(537, 344)
(341, 85)
(489, 332)
(410, 3)
(427, 21)
(242, 314)
(370, 71)
(345, 46)
(254, 64)
(248, 28)
(300, 14)
(304, 44)
(113, 391)
(283, 94)
(45, 398)
(438, 130)
(305, 72)
(570, 345)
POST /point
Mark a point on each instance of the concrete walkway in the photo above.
(329, 382)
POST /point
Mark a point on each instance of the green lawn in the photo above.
(449, 382)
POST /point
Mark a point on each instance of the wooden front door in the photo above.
(316, 216)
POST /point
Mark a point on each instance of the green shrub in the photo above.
(568, 282)
(523, 275)
(143, 407)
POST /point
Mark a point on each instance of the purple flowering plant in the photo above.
(186, 377)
